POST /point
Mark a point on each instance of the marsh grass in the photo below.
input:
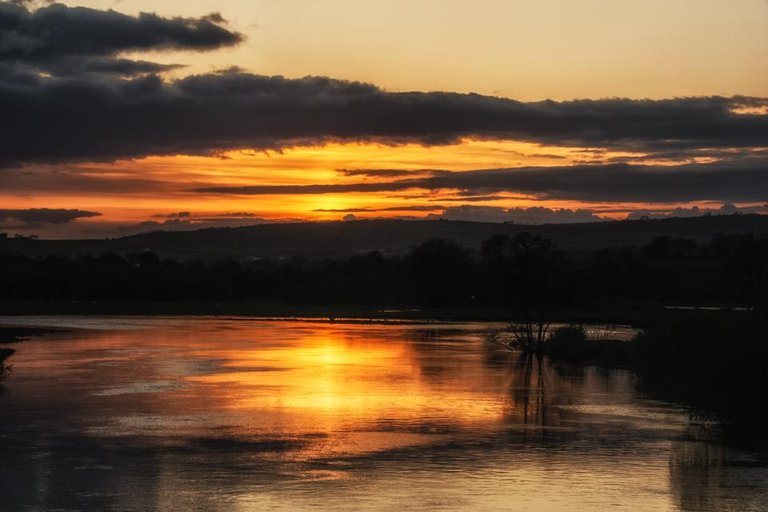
(566, 343)
(18, 334)
(716, 362)
(528, 337)
(5, 369)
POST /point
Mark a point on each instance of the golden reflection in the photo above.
(265, 409)
(365, 393)
(314, 389)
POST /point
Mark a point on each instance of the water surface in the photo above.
(131, 413)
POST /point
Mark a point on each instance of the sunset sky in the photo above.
(123, 116)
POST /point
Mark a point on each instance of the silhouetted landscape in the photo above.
(315, 240)
(710, 261)
(700, 299)
(386, 255)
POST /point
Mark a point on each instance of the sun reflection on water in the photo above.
(362, 392)
(260, 415)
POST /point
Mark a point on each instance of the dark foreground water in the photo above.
(142, 414)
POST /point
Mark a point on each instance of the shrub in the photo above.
(5, 369)
(572, 344)
(568, 343)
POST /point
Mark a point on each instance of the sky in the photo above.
(127, 116)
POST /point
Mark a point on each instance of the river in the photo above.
(239, 414)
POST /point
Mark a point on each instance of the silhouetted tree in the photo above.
(531, 266)
(659, 248)
(440, 270)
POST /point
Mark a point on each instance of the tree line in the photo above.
(527, 271)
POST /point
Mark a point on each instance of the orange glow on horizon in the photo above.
(164, 184)
(165, 181)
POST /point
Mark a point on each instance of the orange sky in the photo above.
(127, 193)
(175, 175)
(133, 191)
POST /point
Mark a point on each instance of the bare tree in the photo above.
(529, 264)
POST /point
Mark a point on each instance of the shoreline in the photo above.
(702, 358)
(635, 314)
(15, 333)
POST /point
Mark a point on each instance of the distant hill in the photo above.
(332, 239)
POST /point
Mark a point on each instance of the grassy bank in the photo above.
(716, 361)
(17, 334)
(5, 369)
(598, 312)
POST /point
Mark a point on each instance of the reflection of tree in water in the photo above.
(708, 476)
(551, 401)
(536, 388)
(530, 389)
(538, 391)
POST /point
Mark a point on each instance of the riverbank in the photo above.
(637, 313)
(715, 361)
(5, 370)
(16, 334)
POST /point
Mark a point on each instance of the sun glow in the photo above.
(166, 182)
(169, 184)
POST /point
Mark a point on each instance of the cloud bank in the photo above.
(533, 215)
(68, 93)
(737, 181)
(74, 40)
(695, 211)
(36, 217)
(93, 117)
(473, 213)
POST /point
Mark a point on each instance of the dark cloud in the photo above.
(40, 216)
(189, 216)
(531, 155)
(78, 180)
(65, 40)
(31, 3)
(620, 183)
(547, 155)
(237, 215)
(405, 208)
(385, 173)
(533, 215)
(473, 213)
(737, 181)
(114, 66)
(175, 215)
(58, 31)
(331, 188)
(471, 197)
(695, 211)
(93, 117)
